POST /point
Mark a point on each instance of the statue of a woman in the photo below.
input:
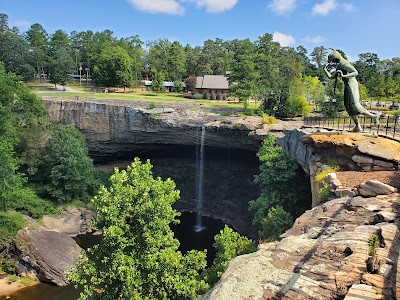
(351, 94)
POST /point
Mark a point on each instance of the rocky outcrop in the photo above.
(44, 254)
(114, 128)
(74, 221)
(355, 152)
(328, 254)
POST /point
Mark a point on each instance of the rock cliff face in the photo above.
(347, 248)
(115, 128)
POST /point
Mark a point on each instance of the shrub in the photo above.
(205, 95)
(275, 223)
(10, 223)
(224, 97)
(7, 266)
(218, 96)
(249, 112)
(25, 201)
(228, 244)
(152, 106)
(178, 87)
(267, 119)
(373, 244)
(320, 177)
(324, 192)
(212, 96)
(198, 96)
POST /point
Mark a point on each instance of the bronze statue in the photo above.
(348, 73)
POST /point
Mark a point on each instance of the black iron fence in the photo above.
(388, 126)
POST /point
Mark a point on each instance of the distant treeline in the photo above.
(261, 70)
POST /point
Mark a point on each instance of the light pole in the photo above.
(80, 75)
(87, 76)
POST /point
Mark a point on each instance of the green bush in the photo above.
(178, 87)
(275, 223)
(205, 95)
(218, 96)
(224, 97)
(198, 96)
(267, 119)
(228, 244)
(24, 200)
(249, 112)
(10, 223)
(7, 266)
(66, 172)
(152, 106)
(212, 96)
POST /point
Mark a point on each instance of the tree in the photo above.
(243, 77)
(314, 89)
(280, 181)
(190, 83)
(133, 45)
(14, 51)
(178, 87)
(228, 244)
(37, 39)
(296, 103)
(319, 56)
(113, 68)
(66, 172)
(59, 66)
(276, 222)
(138, 257)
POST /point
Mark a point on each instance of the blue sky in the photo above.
(354, 26)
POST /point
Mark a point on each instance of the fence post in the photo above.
(394, 126)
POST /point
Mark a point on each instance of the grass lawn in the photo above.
(137, 95)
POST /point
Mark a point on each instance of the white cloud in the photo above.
(348, 7)
(282, 7)
(324, 7)
(216, 6)
(283, 39)
(21, 23)
(319, 39)
(171, 7)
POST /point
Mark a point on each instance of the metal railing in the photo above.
(389, 126)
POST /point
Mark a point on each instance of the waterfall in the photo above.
(199, 176)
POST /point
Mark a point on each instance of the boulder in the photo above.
(384, 164)
(72, 222)
(345, 193)
(362, 159)
(46, 254)
(375, 187)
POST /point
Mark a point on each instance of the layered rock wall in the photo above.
(341, 249)
(114, 128)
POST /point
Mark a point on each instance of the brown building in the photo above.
(212, 84)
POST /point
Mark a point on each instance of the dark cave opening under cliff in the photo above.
(228, 179)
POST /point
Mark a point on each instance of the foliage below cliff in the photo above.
(283, 189)
(138, 248)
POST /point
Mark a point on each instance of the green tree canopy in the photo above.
(65, 172)
(138, 256)
(113, 67)
(228, 244)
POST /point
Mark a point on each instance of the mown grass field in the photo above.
(133, 95)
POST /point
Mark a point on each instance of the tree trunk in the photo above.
(39, 73)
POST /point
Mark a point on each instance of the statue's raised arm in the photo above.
(348, 73)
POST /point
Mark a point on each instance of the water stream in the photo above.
(199, 178)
